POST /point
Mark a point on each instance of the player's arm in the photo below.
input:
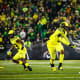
(11, 49)
(60, 36)
(72, 45)
(21, 42)
(65, 40)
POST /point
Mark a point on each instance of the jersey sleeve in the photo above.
(12, 41)
(64, 39)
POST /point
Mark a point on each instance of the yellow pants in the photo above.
(53, 48)
(20, 54)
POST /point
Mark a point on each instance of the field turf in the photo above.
(41, 70)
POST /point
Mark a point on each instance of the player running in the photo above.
(19, 57)
(54, 44)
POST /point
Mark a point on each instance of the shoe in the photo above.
(60, 68)
(29, 68)
(26, 69)
(54, 69)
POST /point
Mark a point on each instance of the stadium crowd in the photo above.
(33, 19)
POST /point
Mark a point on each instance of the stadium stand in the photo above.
(37, 17)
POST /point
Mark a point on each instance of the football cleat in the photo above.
(60, 68)
(29, 68)
(54, 69)
(26, 69)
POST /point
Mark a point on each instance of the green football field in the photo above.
(41, 70)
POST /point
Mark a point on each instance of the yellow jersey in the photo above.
(60, 35)
(16, 44)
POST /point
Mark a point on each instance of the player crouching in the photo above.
(19, 57)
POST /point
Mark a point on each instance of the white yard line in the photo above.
(43, 62)
(76, 67)
(41, 78)
(40, 74)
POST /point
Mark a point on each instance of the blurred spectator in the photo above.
(46, 55)
(35, 17)
(74, 2)
(68, 10)
(44, 34)
(39, 25)
(38, 15)
(38, 38)
(23, 34)
(3, 17)
(28, 43)
(32, 35)
(18, 34)
(78, 33)
(25, 9)
(1, 38)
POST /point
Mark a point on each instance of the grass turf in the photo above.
(41, 70)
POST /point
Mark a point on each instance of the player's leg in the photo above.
(52, 55)
(15, 58)
(18, 56)
(60, 50)
(22, 61)
(61, 58)
(26, 65)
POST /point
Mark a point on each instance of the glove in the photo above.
(72, 46)
(9, 53)
(8, 57)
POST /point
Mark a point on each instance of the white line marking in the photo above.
(41, 78)
(69, 62)
(40, 74)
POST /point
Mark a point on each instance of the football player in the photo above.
(54, 44)
(19, 57)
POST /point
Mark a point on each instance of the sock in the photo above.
(52, 62)
(26, 64)
(52, 65)
(20, 62)
(60, 64)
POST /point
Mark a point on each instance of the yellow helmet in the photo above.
(11, 32)
(66, 24)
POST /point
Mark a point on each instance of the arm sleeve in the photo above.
(64, 39)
